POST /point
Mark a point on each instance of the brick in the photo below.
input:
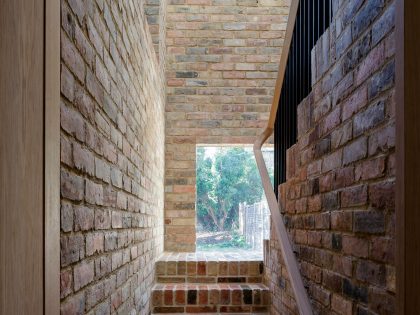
(72, 186)
(354, 103)
(355, 246)
(332, 281)
(325, 182)
(371, 222)
(103, 308)
(180, 297)
(355, 151)
(314, 203)
(67, 83)
(384, 24)
(382, 195)
(66, 283)
(382, 140)
(382, 302)
(365, 16)
(341, 220)
(382, 80)
(370, 169)
(330, 201)
(66, 154)
(168, 297)
(72, 122)
(192, 296)
(359, 51)
(116, 220)
(83, 159)
(341, 305)
(332, 161)
(83, 275)
(94, 193)
(341, 135)
(71, 249)
(336, 242)
(95, 88)
(354, 196)
(343, 177)
(343, 265)
(186, 74)
(83, 218)
(322, 221)
(66, 217)
(94, 243)
(383, 249)
(370, 118)
(72, 58)
(355, 292)
(102, 219)
(331, 121)
(75, 305)
(370, 272)
(102, 170)
(373, 61)
(343, 42)
(94, 295)
(103, 267)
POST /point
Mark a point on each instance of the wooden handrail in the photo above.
(299, 290)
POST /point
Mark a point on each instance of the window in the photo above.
(231, 209)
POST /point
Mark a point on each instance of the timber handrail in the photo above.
(299, 290)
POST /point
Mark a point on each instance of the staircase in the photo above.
(212, 282)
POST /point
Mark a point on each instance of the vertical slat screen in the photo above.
(313, 18)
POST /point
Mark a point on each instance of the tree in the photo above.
(223, 181)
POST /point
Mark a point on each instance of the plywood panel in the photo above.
(21, 156)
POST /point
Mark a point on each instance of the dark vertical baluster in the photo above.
(314, 16)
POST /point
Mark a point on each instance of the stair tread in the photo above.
(210, 256)
(209, 286)
(213, 313)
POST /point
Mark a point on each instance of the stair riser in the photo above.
(211, 309)
(207, 271)
(223, 295)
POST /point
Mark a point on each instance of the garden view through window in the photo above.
(232, 212)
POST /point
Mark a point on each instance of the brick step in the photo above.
(254, 313)
(210, 298)
(209, 268)
(213, 313)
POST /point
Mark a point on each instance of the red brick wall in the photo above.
(222, 65)
(112, 158)
(339, 194)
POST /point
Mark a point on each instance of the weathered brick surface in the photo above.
(112, 157)
(222, 64)
(339, 196)
(155, 11)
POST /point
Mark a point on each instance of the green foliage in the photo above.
(229, 178)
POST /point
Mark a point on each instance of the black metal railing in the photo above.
(313, 18)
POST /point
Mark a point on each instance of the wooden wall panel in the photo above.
(408, 157)
(52, 158)
(21, 156)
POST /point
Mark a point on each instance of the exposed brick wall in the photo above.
(222, 64)
(156, 17)
(339, 194)
(112, 158)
